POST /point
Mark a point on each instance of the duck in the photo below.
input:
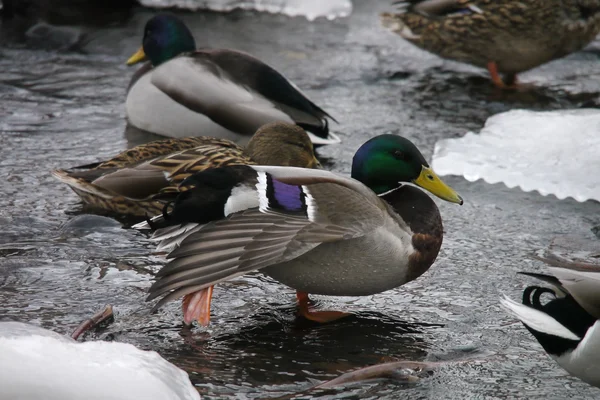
(507, 37)
(316, 231)
(38, 363)
(567, 327)
(228, 94)
(130, 183)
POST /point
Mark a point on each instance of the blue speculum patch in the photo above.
(285, 197)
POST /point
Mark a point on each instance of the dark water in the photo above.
(62, 104)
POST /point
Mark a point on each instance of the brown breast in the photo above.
(421, 214)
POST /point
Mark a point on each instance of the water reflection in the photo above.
(296, 352)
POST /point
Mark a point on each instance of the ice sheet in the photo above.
(39, 364)
(310, 9)
(554, 152)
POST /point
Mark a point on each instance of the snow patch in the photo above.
(552, 152)
(310, 9)
(36, 363)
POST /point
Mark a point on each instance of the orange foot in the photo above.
(196, 306)
(317, 316)
(512, 83)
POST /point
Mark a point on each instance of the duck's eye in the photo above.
(399, 155)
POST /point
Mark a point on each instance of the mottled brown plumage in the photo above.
(128, 183)
(507, 35)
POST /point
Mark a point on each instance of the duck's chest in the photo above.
(363, 266)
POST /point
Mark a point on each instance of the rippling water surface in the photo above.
(63, 105)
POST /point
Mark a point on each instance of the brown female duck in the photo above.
(504, 36)
(129, 183)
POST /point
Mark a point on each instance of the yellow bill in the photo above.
(139, 56)
(315, 163)
(428, 180)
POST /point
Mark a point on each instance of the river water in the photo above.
(62, 104)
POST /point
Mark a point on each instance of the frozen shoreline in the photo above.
(552, 152)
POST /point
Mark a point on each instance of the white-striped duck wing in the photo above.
(538, 320)
(328, 197)
(205, 88)
(298, 210)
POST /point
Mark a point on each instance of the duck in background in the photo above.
(222, 93)
(505, 36)
(316, 231)
(129, 183)
(37, 363)
(567, 326)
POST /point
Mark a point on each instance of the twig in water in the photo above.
(90, 323)
(385, 370)
(389, 370)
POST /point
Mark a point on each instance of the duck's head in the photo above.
(385, 161)
(165, 37)
(282, 144)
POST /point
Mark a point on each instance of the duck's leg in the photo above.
(317, 316)
(196, 306)
(510, 82)
(496, 78)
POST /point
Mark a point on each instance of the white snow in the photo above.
(553, 152)
(310, 9)
(36, 363)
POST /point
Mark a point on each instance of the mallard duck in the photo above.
(316, 231)
(40, 364)
(504, 36)
(129, 183)
(224, 93)
(567, 327)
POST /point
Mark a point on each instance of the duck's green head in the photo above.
(385, 161)
(165, 37)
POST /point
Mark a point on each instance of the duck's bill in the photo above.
(316, 164)
(139, 56)
(428, 180)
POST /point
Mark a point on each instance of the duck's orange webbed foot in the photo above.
(511, 82)
(196, 306)
(317, 316)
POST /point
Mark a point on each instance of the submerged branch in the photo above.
(92, 322)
